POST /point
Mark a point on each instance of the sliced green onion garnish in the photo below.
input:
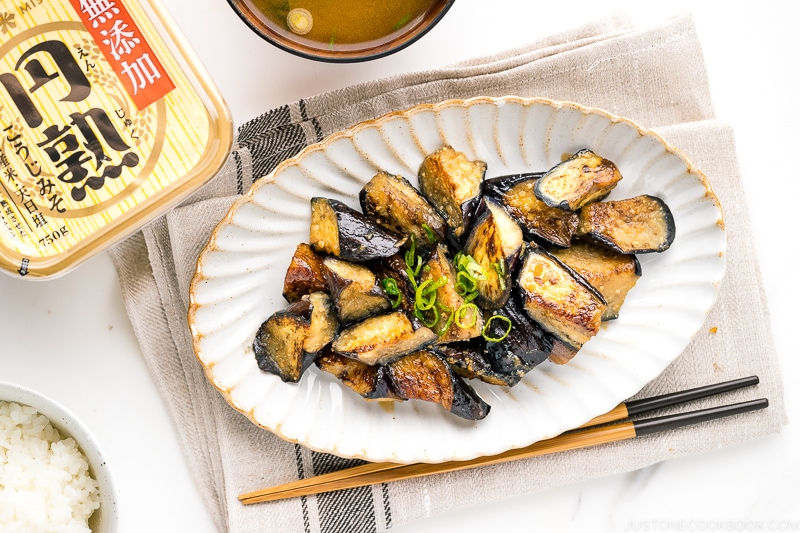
(441, 282)
(429, 233)
(411, 252)
(390, 286)
(484, 331)
(427, 322)
(424, 298)
(500, 268)
(425, 294)
(462, 311)
(465, 280)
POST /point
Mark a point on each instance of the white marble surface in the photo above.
(70, 337)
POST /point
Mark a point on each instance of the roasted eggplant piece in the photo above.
(426, 376)
(558, 298)
(305, 274)
(287, 342)
(341, 231)
(371, 382)
(398, 206)
(613, 274)
(380, 339)
(452, 184)
(354, 289)
(439, 272)
(583, 178)
(495, 243)
(638, 225)
(278, 346)
(537, 219)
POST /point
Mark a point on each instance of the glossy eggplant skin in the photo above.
(448, 301)
(494, 242)
(370, 382)
(583, 178)
(612, 273)
(452, 184)
(426, 376)
(396, 205)
(354, 289)
(383, 338)
(305, 274)
(558, 298)
(341, 231)
(638, 225)
(538, 220)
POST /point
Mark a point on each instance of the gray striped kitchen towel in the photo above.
(655, 76)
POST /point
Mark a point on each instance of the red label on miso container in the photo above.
(125, 49)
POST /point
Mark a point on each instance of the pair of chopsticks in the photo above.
(596, 431)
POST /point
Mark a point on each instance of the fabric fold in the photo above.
(654, 76)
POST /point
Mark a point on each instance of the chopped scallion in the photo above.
(485, 330)
(390, 287)
(462, 311)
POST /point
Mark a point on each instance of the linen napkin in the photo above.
(655, 76)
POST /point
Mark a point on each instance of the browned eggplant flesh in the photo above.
(355, 290)
(380, 339)
(452, 183)
(459, 277)
(306, 274)
(278, 346)
(288, 342)
(610, 272)
(426, 376)
(393, 203)
(495, 243)
(537, 219)
(638, 225)
(558, 298)
(583, 178)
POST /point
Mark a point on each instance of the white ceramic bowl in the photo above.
(106, 518)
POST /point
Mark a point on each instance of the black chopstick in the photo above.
(636, 407)
(679, 420)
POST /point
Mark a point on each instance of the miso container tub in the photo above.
(107, 120)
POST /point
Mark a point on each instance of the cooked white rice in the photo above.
(45, 485)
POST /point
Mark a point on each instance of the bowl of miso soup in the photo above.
(341, 31)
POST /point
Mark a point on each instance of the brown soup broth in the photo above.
(337, 23)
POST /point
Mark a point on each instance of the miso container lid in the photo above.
(107, 120)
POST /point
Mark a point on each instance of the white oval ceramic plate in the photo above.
(240, 273)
